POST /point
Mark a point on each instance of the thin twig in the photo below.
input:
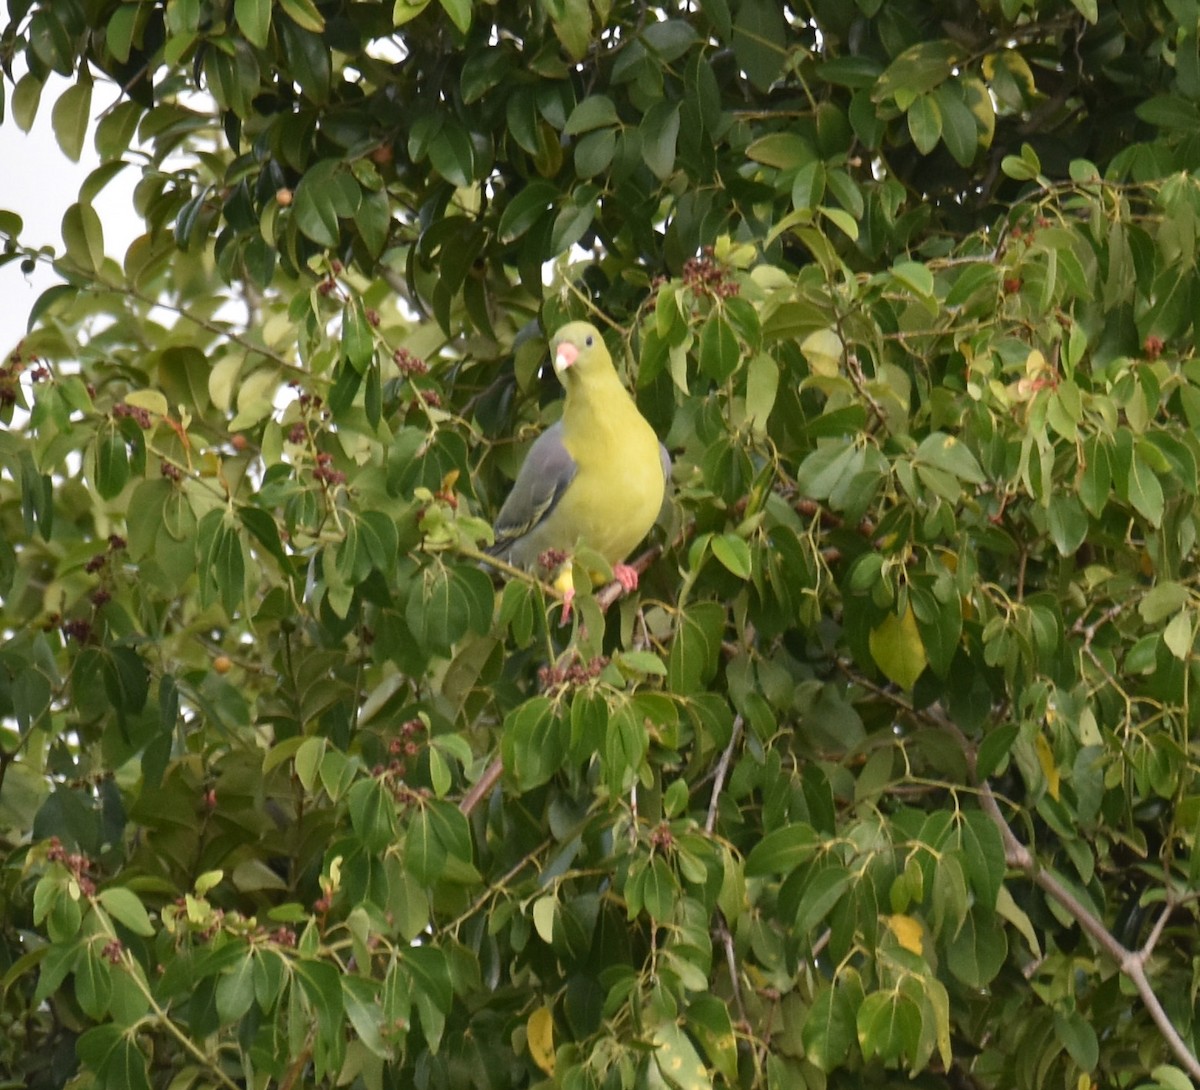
(610, 592)
(714, 801)
(482, 786)
(731, 962)
(1156, 932)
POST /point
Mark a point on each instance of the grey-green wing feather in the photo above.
(544, 476)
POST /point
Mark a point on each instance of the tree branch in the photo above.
(1131, 962)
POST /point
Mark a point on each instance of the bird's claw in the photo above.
(625, 575)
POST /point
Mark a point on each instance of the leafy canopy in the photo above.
(885, 775)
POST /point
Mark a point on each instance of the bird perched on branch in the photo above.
(596, 478)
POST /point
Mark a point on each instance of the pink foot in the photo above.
(568, 598)
(626, 576)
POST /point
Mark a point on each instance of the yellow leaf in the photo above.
(823, 351)
(539, 1032)
(1045, 756)
(908, 933)
(898, 650)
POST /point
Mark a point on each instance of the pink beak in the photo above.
(565, 356)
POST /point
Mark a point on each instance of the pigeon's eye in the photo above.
(588, 341)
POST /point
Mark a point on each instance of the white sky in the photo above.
(39, 183)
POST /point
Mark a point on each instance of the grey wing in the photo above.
(544, 476)
(665, 458)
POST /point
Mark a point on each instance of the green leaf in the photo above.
(898, 650)
(983, 853)
(824, 889)
(532, 742)
(960, 132)
(693, 657)
(976, 954)
(889, 1026)
(304, 14)
(1089, 9)
(112, 463)
(660, 890)
(83, 236)
(733, 552)
(526, 208)
(950, 454)
(459, 12)
(124, 906)
(830, 1030)
(358, 342)
(1171, 1078)
(1179, 635)
(326, 193)
(925, 123)
(660, 132)
(1068, 523)
(451, 151)
(762, 389)
(594, 152)
(404, 11)
(914, 276)
(572, 21)
(1162, 600)
(782, 150)
(235, 988)
(26, 97)
(919, 69)
(1145, 491)
(93, 982)
(782, 850)
(678, 1062)
(571, 224)
(709, 1022)
(593, 112)
(720, 352)
(760, 41)
(254, 19)
(70, 117)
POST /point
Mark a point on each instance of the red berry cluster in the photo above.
(325, 471)
(78, 629)
(112, 952)
(1153, 347)
(115, 544)
(705, 276)
(140, 416)
(409, 364)
(76, 862)
(662, 838)
(407, 745)
(171, 471)
(573, 676)
(298, 433)
(308, 401)
(329, 285)
(551, 559)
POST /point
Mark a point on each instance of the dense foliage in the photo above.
(884, 777)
